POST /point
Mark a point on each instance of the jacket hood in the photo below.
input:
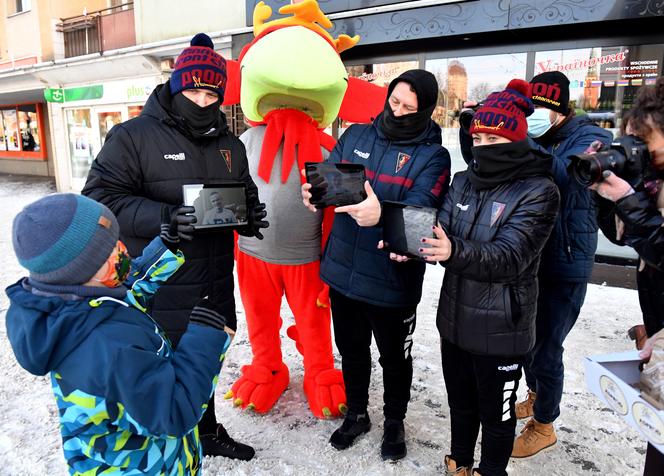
(43, 330)
(431, 135)
(569, 127)
(159, 106)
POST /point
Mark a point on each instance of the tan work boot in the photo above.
(451, 468)
(534, 437)
(525, 409)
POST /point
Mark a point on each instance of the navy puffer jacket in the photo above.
(570, 252)
(415, 172)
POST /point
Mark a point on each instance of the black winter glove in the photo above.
(206, 313)
(176, 224)
(256, 218)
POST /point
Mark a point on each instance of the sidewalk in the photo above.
(289, 441)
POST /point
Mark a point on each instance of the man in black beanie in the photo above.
(181, 137)
(567, 258)
(371, 294)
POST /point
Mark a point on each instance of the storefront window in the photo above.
(29, 127)
(604, 81)
(21, 132)
(80, 142)
(10, 126)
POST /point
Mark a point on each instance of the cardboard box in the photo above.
(614, 378)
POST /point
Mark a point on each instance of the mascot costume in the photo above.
(291, 84)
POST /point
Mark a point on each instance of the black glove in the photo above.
(206, 313)
(318, 189)
(255, 217)
(176, 224)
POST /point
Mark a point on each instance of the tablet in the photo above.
(404, 226)
(335, 184)
(220, 205)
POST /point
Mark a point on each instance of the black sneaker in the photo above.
(394, 444)
(221, 444)
(353, 426)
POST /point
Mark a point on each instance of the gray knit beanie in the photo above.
(64, 238)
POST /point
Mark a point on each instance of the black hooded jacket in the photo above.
(489, 296)
(142, 165)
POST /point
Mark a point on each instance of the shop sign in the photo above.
(74, 94)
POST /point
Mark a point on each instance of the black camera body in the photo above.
(628, 158)
(466, 116)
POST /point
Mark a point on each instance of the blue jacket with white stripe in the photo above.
(415, 172)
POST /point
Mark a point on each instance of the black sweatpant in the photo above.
(392, 327)
(481, 390)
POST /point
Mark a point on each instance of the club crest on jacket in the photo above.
(226, 154)
(402, 159)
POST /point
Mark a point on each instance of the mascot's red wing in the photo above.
(362, 102)
(232, 93)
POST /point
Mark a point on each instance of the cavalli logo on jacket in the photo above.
(226, 154)
(402, 159)
(179, 156)
(362, 155)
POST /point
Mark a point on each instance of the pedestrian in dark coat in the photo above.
(492, 229)
(370, 294)
(181, 137)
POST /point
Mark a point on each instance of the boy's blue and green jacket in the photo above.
(128, 403)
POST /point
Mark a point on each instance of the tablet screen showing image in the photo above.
(404, 226)
(217, 205)
(335, 184)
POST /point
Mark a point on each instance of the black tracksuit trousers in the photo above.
(481, 389)
(392, 327)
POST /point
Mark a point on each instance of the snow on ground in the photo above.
(290, 441)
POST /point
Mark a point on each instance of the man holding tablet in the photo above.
(181, 137)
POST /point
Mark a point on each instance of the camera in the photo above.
(466, 116)
(628, 158)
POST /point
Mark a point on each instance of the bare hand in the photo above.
(440, 247)
(393, 256)
(365, 213)
(612, 187)
(306, 195)
(648, 347)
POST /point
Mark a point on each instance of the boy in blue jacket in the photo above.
(128, 403)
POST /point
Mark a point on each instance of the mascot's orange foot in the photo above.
(259, 388)
(326, 393)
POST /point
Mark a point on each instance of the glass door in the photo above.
(82, 149)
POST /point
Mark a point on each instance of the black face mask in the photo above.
(201, 121)
(404, 127)
(495, 164)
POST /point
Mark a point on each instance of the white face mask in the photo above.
(539, 122)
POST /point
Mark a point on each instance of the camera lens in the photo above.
(587, 169)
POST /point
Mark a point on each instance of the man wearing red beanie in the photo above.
(181, 137)
(493, 225)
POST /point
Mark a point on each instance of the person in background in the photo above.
(567, 259)
(128, 403)
(635, 217)
(181, 137)
(370, 294)
(492, 228)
